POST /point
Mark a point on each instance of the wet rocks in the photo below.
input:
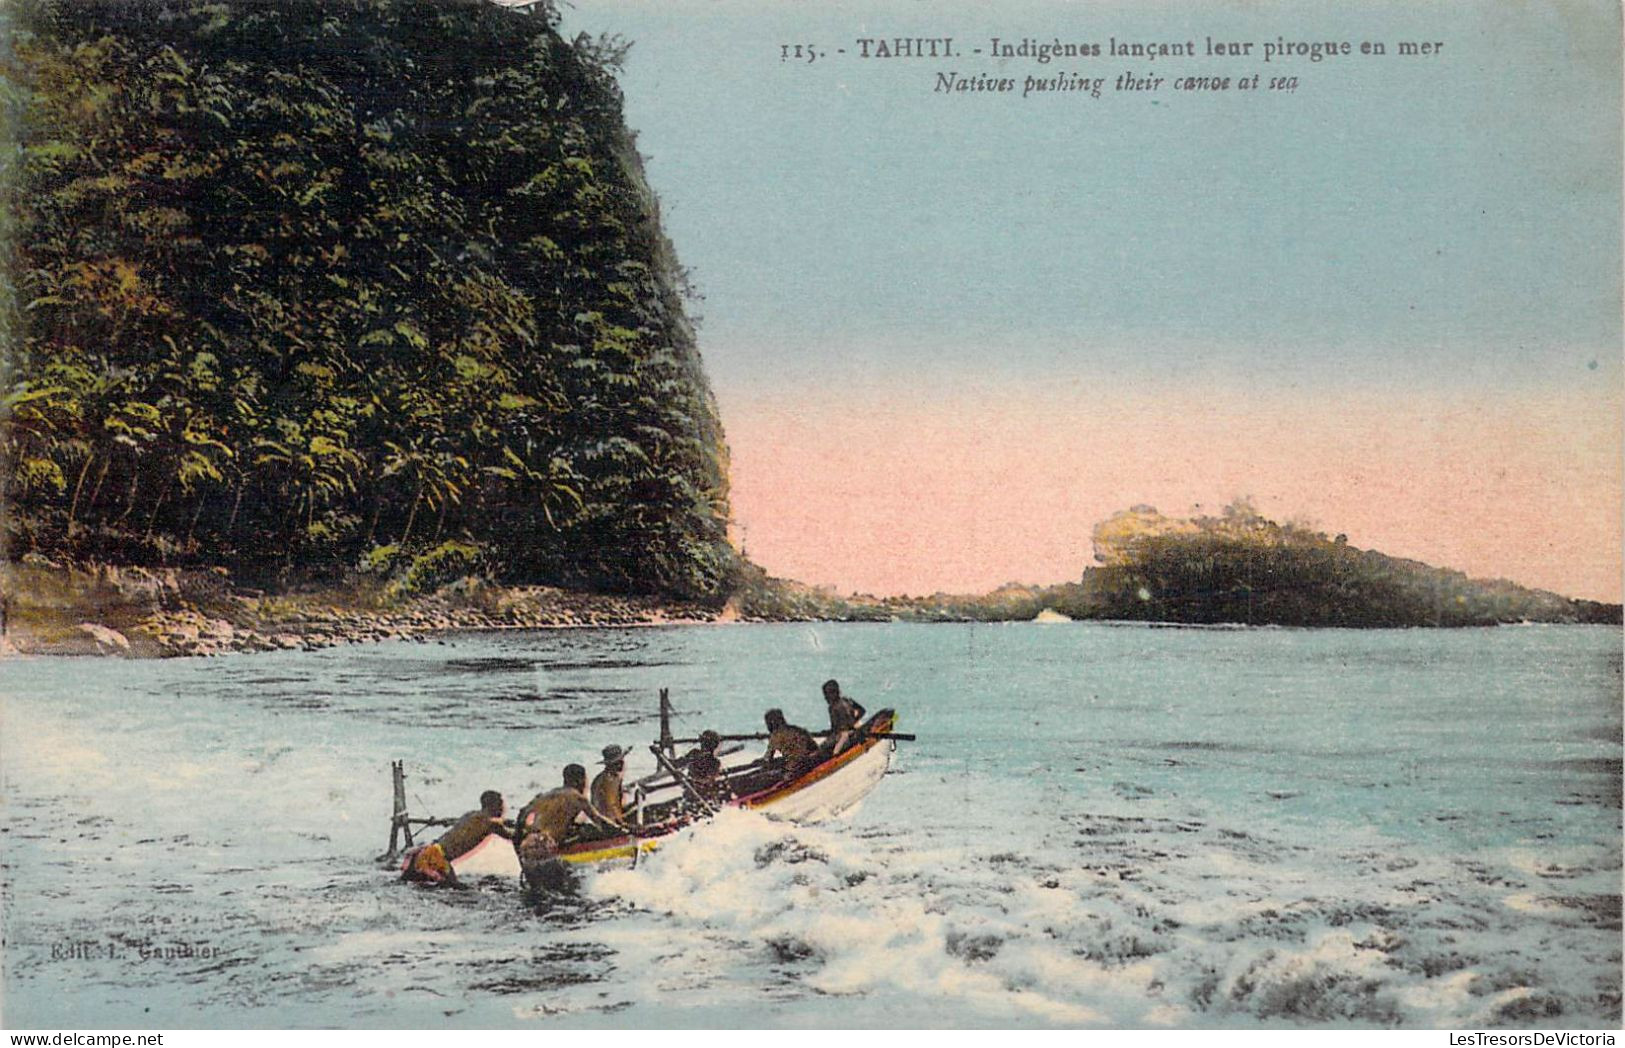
(166, 613)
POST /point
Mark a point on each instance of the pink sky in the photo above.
(962, 487)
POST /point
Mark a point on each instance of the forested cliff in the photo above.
(336, 285)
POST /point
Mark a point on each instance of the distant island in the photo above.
(343, 320)
(1236, 568)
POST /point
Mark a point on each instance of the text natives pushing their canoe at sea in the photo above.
(803, 776)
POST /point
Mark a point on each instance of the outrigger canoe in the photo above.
(831, 788)
(834, 787)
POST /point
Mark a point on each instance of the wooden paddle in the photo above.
(724, 751)
(682, 779)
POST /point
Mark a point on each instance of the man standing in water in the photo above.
(431, 864)
(606, 785)
(844, 717)
(542, 824)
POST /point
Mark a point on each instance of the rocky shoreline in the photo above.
(168, 613)
(99, 609)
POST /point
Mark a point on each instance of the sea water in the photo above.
(1099, 825)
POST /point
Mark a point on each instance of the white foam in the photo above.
(865, 923)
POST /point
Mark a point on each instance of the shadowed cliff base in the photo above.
(137, 612)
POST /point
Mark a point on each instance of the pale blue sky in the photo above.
(1449, 221)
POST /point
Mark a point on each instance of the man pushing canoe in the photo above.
(542, 824)
(431, 864)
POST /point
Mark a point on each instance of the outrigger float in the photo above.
(666, 803)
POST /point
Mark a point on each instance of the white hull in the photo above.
(837, 794)
(493, 858)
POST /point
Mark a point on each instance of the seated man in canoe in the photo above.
(704, 769)
(431, 864)
(542, 824)
(794, 746)
(844, 717)
(606, 793)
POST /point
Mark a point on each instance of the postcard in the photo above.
(739, 514)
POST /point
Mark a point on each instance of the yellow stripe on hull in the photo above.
(620, 851)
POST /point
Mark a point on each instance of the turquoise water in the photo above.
(1099, 825)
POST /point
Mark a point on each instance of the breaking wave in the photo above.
(1146, 923)
(1096, 827)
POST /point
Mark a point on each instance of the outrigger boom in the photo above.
(400, 821)
(761, 736)
(668, 802)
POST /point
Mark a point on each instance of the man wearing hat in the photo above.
(606, 785)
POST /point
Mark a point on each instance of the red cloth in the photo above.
(427, 863)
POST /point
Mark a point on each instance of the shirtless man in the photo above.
(705, 769)
(794, 744)
(606, 785)
(844, 717)
(431, 864)
(542, 824)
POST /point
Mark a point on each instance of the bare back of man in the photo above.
(543, 823)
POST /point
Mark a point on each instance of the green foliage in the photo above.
(1242, 568)
(445, 563)
(380, 560)
(1238, 568)
(306, 280)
